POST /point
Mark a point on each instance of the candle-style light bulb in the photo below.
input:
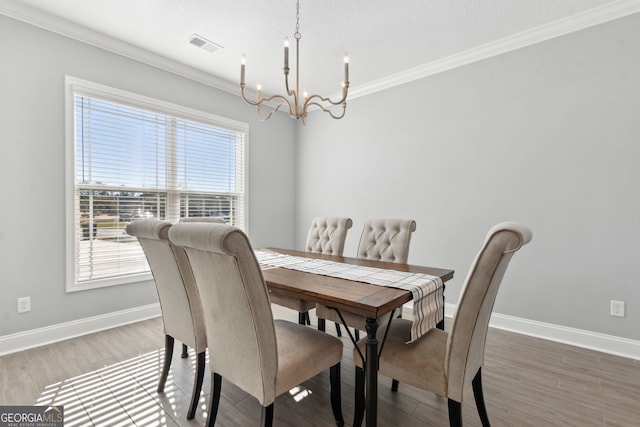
(346, 68)
(243, 61)
(286, 53)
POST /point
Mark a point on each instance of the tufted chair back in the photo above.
(381, 240)
(327, 235)
(386, 240)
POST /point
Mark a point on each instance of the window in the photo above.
(131, 157)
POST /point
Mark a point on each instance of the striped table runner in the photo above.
(427, 290)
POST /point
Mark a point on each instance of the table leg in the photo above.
(371, 373)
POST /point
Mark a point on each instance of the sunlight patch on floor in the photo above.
(120, 394)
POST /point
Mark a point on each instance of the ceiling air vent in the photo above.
(202, 43)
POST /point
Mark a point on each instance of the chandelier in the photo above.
(297, 107)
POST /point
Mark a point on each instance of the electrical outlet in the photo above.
(617, 308)
(24, 304)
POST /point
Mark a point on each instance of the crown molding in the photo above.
(590, 18)
(596, 16)
(30, 15)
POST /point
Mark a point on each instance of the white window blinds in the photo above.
(136, 158)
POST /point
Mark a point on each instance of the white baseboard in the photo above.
(580, 338)
(592, 340)
(63, 331)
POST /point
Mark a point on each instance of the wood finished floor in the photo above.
(110, 378)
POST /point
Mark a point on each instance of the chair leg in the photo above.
(455, 413)
(185, 352)
(357, 334)
(338, 331)
(307, 318)
(395, 383)
(214, 401)
(322, 325)
(302, 318)
(197, 386)
(336, 394)
(478, 394)
(358, 411)
(267, 416)
(166, 365)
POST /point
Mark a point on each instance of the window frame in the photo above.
(75, 86)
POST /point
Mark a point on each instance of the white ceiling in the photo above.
(385, 40)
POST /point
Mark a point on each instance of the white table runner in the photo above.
(427, 290)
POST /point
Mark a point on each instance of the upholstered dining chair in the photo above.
(179, 300)
(446, 362)
(262, 356)
(382, 239)
(214, 219)
(326, 236)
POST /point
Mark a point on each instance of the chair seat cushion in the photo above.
(303, 353)
(420, 364)
(293, 303)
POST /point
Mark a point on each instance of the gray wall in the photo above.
(33, 63)
(548, 135)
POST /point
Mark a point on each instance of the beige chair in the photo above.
(386, 240)
(263, 357)
(179, 300)
(381, 240)
(326, 236)
(214, 219)
(446, 362)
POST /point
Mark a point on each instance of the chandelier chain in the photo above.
(297, 34)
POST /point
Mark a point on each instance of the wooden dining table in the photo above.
(368, 300)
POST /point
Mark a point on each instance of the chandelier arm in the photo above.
(247, 100)
(286, 84)
(326, 110)
(325, 99)
(282, 101)
(263, 119)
